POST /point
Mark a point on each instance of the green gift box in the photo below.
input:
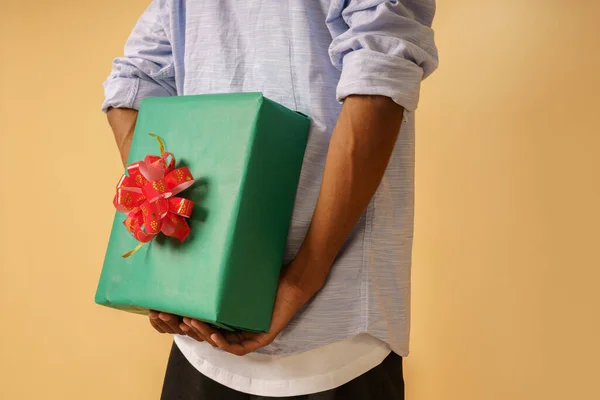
(245, 153)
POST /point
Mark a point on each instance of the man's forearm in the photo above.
(122, 121)
(360, 148)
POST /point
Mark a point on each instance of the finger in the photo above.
(171, 321)
(162, 325)
(234, 337)
(204, 330)
(156, 326)
(156, 322)
(238, 348)
(190, 332)
(230, 347)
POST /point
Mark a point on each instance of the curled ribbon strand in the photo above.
(147, 195)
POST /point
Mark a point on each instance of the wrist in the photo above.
(305, 276)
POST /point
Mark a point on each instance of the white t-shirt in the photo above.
(312, 371)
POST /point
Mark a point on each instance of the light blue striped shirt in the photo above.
(308, 56)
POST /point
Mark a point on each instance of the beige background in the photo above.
(506, 261)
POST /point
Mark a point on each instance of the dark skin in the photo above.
(361, 146)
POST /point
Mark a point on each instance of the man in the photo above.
(341, 318)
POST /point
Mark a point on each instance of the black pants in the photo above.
(184, 382)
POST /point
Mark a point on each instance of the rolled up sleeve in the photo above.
(384, 48)
(146, 68)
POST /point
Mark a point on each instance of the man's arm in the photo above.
(145, 70)
(359, 152)
(122, 122)
(384, 50)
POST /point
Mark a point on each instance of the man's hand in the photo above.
(290, 298)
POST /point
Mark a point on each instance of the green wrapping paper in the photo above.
(245, 153)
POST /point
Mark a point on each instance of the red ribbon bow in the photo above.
(146, 195)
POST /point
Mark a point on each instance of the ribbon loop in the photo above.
(180, 206)
(178, 180)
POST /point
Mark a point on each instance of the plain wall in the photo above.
(506, 256)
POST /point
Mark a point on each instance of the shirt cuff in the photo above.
(366, 72)
(129, 92)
